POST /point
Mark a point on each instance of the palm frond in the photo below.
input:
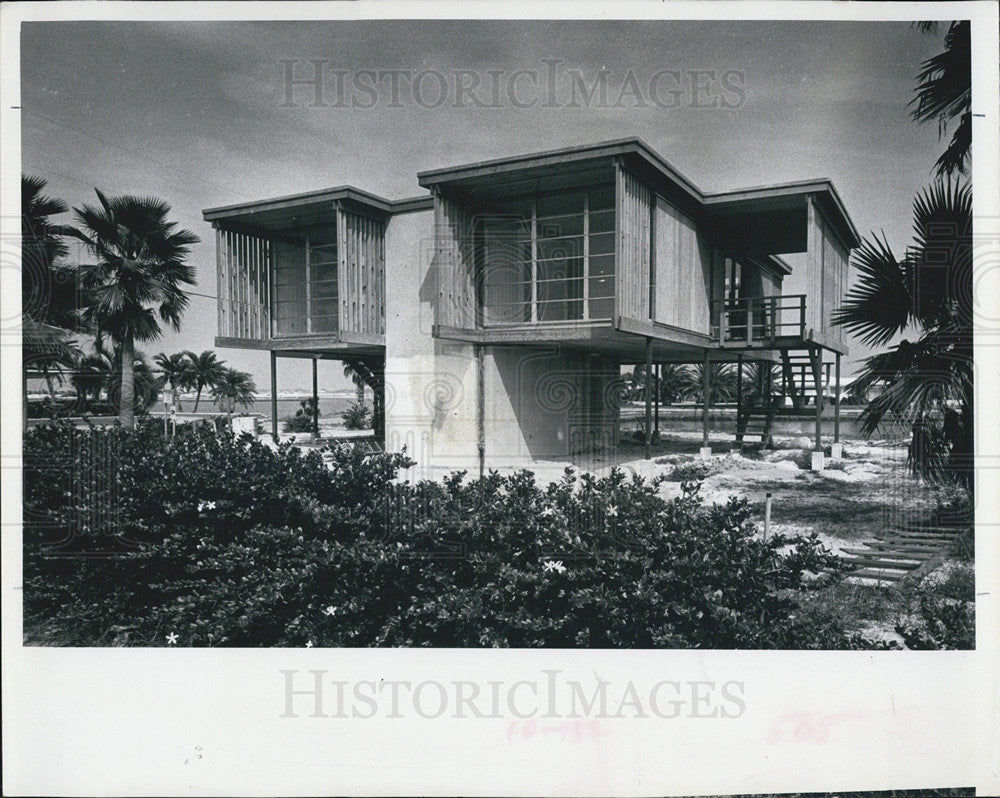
(880, 304)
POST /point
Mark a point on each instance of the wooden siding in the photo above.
(244, 291)
(827, 263)
(454, 263)
(361, 273)
(633, 200)
(682, 270)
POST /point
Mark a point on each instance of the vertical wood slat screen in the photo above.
(827, 260)
(361, 273)
(454, 258)
(633, 199)
(243, 277)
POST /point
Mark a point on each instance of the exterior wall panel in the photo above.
(633, 201)
(243, 285)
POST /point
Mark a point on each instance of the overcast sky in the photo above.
(197, 113)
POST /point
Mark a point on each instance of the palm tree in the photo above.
(204, 371)
(927, 382)
(50, 299)
(176, 370)
(137, 278)
(232, 388)
(353, 371)
(944, 92)
(675, 383)
(722, 383)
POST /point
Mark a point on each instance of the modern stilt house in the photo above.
(305, 277)
(498, 312)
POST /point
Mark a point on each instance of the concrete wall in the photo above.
(430, 383)
(540, 402)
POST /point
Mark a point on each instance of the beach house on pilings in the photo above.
(494, 313)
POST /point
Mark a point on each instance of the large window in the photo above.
(550, 258)
(305, 283)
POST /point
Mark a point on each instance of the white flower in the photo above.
(309, 644)
(171, 639)
(206, 506)
(548, 512)
(554, 566)
(330, 610)
(612, 512)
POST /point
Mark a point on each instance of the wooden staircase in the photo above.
(755, 423)
(901, 555)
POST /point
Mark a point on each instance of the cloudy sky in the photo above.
(200, 115)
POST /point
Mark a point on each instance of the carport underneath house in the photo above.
(497, 311)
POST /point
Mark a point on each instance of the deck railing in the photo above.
(760, 320)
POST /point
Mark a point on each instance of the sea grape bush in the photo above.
(227, 542)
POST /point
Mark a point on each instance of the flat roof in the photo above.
(310, 203)
(779, 196)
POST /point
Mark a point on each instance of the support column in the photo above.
(315, 407)
(658, 386)
(274, 396)
(816, 357)
(739, 400)
(649, 396)
(706, 450)
(481, 407)
(837, 451)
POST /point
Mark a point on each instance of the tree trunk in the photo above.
(126, 402)
(197, 398)
(361, 391)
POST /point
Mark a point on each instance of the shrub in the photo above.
(689, 472)
(302, 421)
(356, 416)
(224, 541)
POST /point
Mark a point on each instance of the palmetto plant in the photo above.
(204, 371)
(136, 279)
(722, 383)
(50, 299)
(234, 388)
(927, 291)
(944, 93)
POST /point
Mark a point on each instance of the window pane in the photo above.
(602, 198)
(602, 244)
(322, 324)
(602, 287)
(323, 271)
(557, 226)
(602, 221)
(290, 293)
(327, 290)
(322, 235)
(602, 308)
(602, 265)
(323, 307)
(559, 205)
(565, 248)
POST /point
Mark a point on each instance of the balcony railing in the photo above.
(760, 320)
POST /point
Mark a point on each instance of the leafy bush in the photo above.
(224, 541)
(944, 624)
(302, 421)
(356, 416)
(689, 472)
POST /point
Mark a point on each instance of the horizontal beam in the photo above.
(664, 332)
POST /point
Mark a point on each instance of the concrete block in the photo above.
(837, 451)
(705, 452)
(817, 461)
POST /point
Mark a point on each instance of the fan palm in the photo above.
(204, 371)
(944, 92)
(50, 299)
(232, 388)
(137, 277)
(722, 383)
(929, 291)
(176, 371)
